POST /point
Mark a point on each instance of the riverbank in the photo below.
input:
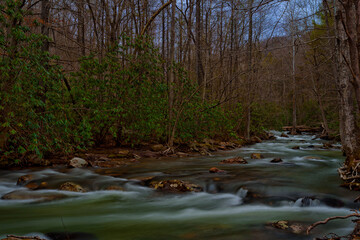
(109, 156)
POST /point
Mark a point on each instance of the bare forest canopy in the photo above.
(79, 73)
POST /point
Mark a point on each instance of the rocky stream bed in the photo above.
(270, 190)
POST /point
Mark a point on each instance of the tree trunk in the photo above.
(349, 131)
(250, 69)
(81, 27)
(294, 122)
(199, 66)
(171, 80)
(45, 12)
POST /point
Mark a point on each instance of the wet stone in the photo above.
(23, 179)
(78, 163)
(71, 187)
(175, 186)
(236, 160)
(276, 160)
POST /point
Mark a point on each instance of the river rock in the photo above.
(295, 148)
(77, 162)
(296, 228)
(216, 170)
(24, 179)
(175, 186)
(276, 160)
(236, 160)
(284, 135)
(114, 188)
(157, 147)
(71, 187)
(35, 185)
(29, 195)
(256, 156)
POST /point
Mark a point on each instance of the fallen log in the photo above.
(303, 128)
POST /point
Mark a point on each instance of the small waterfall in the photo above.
(307, 202)
(242, 193)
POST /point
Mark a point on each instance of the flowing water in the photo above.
(304, 188)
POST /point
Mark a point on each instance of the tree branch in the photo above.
(329, 219)
(154, 16)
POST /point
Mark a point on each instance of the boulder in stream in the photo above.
(276, 160)
(71, 187)
(284, 135)
(295, 148)
(24, 179)
(77, 162)
(257, 156)
(175, 186)
(236, 160)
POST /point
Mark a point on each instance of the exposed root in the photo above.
(168, 151)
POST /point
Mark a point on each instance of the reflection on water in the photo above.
(236, 205)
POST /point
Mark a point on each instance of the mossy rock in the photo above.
(71, 187)
(175, 186)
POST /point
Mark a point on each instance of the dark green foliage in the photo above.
(31, 93)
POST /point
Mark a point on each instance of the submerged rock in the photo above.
(114, 188)
(216, 170)
(175, 186)
(71, 187)
(236, 160)
(295, 148)
(312, 158)
(276, 160)
(35, 185)
(32, 195)
(77, 162)
(256, 156)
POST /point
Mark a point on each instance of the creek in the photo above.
(304, 188)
